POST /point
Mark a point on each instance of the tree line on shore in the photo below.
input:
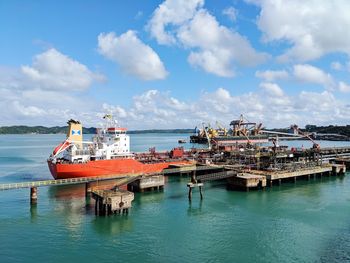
(22, 129)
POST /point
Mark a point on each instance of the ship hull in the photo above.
(102, 168)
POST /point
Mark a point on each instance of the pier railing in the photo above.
(9, 186)
(124, 178)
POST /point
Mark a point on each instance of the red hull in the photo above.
(106, 168)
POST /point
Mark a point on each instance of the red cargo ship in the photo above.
(108, 154)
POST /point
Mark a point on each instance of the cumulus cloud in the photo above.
(54, 70)
(174, 13)
(272, 89)
(272, 75)
(218, 46)
(313, 28)
(231, 13)
(336, 65)
(310, 74)
(269, 105)
(42, 93)
(133, 56)
(213, 47)
(343, 87)
(44, 107)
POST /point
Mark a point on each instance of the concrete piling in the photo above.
(88, 189)
(33, 195)
(108, 202)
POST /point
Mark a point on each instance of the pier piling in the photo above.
(88, 189)
(33, 195)
(154, 182)
(108, 202)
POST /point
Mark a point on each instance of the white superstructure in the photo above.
(110, 142)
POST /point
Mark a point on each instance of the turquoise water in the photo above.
(302, 222)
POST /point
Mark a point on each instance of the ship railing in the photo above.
(81, 152)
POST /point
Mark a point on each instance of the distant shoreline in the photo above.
(63, 130)
(330, 132)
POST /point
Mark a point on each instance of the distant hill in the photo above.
(342, 130)
(63, 129)
(330, 129)
(330, 132)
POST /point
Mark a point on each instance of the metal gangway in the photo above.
(122, 178)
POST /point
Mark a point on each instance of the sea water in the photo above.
(304, 222)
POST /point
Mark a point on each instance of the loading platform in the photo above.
(324, 169)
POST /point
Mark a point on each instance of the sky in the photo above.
(175, 63)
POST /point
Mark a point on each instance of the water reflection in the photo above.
(112, 225)
(195, 207)
(33, 213)
(148, 198)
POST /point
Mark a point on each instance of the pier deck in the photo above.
(122, 177)
(328, 169)
(246, 181)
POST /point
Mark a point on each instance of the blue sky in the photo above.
(174, 63)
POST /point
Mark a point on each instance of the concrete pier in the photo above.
(345, 161)
(278, 176)
(109, 202)
(246, 181)
(88, 189)
(149, 183)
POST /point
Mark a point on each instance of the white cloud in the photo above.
(231, 13)
(272, 89)
(272, 75)
(28, 110)
(219, 47)
(213, 47)
(174, 13)
(54, 70)
(133, 56)
(343, 87)
(314, 28)
(45, 92)
(336, 65)
(310, 74)
(269, 105)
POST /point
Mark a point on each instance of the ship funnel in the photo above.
(75, 131)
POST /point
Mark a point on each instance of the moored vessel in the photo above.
(107, 154)
(241, 132)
